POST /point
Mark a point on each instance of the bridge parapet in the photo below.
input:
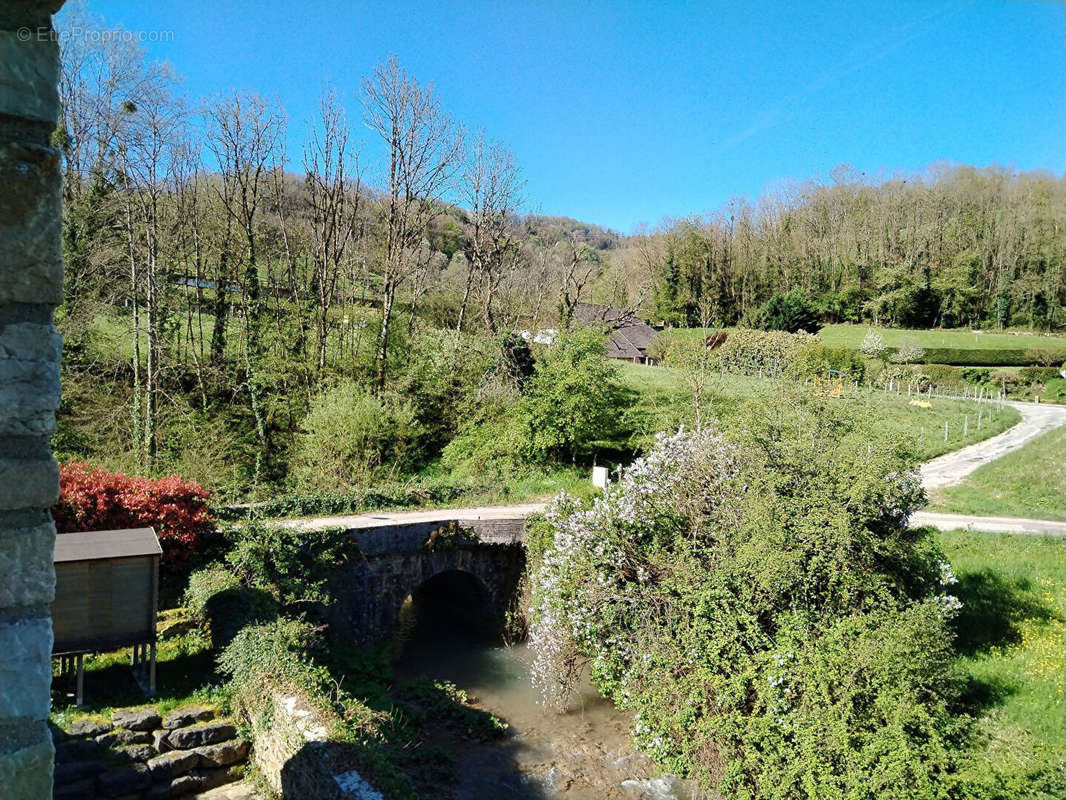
(407, 537)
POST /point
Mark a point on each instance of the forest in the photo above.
(229, 303)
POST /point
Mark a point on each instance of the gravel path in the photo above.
(952, 467)
(953, 522)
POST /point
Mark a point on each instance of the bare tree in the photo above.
(581, 265)
(334, 192)
(148, 157)
(244, 132)
(424, 148)
(491, 187)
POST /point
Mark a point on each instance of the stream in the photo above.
(584, 753)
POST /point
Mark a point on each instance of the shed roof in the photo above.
(92, 545)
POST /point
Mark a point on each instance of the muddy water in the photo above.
(584, 753)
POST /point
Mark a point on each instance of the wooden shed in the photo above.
(107, 593)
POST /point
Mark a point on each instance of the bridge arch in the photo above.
(373, 593)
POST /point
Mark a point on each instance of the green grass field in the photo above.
(1011, 635)
(1030, 482)
(664, 399)
(852, 336)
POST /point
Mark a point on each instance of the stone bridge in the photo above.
(406, 561)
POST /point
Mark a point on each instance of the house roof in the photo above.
(630, 335)
(92, 545)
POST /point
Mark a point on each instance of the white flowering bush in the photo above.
(873, 345)
(909, 352)
(759, 602)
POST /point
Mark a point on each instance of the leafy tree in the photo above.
(791, 312)
(573, 398)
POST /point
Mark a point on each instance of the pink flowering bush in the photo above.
(758, 600)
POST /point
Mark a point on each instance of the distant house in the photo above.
(630, 335)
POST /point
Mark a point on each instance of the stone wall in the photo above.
(140, 753)
(31, 278)
(371, 592)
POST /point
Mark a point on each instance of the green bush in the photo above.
(751, 352)
(761, 605)
(979, 357)
(942, 376)
(351, 437)
(293, 565)
(217, 596)
(1037, 375)
(817, 360)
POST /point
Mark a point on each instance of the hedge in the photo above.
(977, 357)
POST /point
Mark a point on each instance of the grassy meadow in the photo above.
(958, 338)
(1011, 636)
(1029, 482)
(665, 398)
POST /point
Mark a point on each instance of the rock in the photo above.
(170, 765)
(87, 728)
(180, 717)
(142, 719)
(128, 779)
(123, 736)
(178, 628)
(200, 780)
(74, 790)
(212, 778)
(135, 752)
(74, 771)
(159, 741)
(78, 750)
(222, 755)
(199, 735)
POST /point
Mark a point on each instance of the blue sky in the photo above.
(622, 113)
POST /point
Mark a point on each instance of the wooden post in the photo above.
(79, 691)
(945, 430)
(151, 671)
(965, 426)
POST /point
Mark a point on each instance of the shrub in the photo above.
(92, 499)
(1006, 380)
(761, 605)
(817, 360)
(1042, 355)
(750, 352)
(909, 352)
(942, 375)
(217, 597)
(350, 437)
(1037, 375)
(292, 565)
(790, 312)
(873, 345)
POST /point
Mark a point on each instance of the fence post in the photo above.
(945, 430)
(965, 426)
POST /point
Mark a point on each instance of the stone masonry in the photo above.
(140, 753)
(31, 278)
